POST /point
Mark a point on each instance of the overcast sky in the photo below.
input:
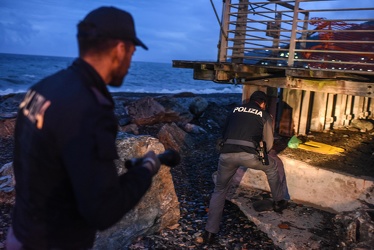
(172, 29)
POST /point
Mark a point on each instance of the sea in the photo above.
(19, 72)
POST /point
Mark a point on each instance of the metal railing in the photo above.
(322, 34)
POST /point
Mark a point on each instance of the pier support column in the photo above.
(304, 113)
(318, 112)
(340, 105)
(290, 112)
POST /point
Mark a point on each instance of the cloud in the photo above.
(170, 28)
(15, 30)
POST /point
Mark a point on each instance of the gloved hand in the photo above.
(151, 162)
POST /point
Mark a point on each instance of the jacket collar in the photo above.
(93, 80)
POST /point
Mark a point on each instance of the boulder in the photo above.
(192, 128)
(175, 138)
(362, 125)
(158, 209)
(7, 127)
(145, 111)
(355, 229)
(148, 111)
(198, 106)
(130, 128)
(176, 106)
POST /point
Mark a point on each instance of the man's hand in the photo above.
(151, 162)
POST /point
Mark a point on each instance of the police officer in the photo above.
(67, 185)
(246, 127)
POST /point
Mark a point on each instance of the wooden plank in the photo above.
(240, 32)
(325, 74)
(296, 96)
(348, 111)
(311, 80)
(340, 105)
(247, 92)
(291, 100)
(365, 112)
(286, 122)
(278, 116)
(272, 103)
(304, 113)
(357, 107)
(329, 117)
(249, 89)
(371, 109)
(208, 75)
(223, 41)
(318, 112)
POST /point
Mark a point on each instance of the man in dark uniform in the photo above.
(247, 126)
(67, 185)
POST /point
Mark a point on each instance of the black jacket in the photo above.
(67, 185)
(249, 123)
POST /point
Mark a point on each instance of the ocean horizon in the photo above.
(19, 72)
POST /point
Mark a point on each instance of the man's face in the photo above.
(124, 62)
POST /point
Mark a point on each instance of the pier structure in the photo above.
(314, 58)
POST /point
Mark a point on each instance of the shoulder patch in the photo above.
(34, 106)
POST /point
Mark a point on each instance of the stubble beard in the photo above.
(118, 77)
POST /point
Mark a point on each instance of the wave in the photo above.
(228, 90)
(19, 72)
(224, 90)
(11, 91)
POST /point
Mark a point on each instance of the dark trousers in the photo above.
(227, 167)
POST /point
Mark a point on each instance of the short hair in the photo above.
(258, 96)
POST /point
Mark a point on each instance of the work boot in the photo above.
(209, 238)
(279, 206)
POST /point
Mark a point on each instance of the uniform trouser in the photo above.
(227, 167)
(281, 172)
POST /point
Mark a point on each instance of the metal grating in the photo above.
(316, 34)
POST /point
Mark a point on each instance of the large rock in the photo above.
(145, 111)
(173, 137)
(7, 127)
(158, 209)
(198, 106)
(362, 125)
(176, 106)
(355, 229)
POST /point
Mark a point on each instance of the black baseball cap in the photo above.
(110, 22)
